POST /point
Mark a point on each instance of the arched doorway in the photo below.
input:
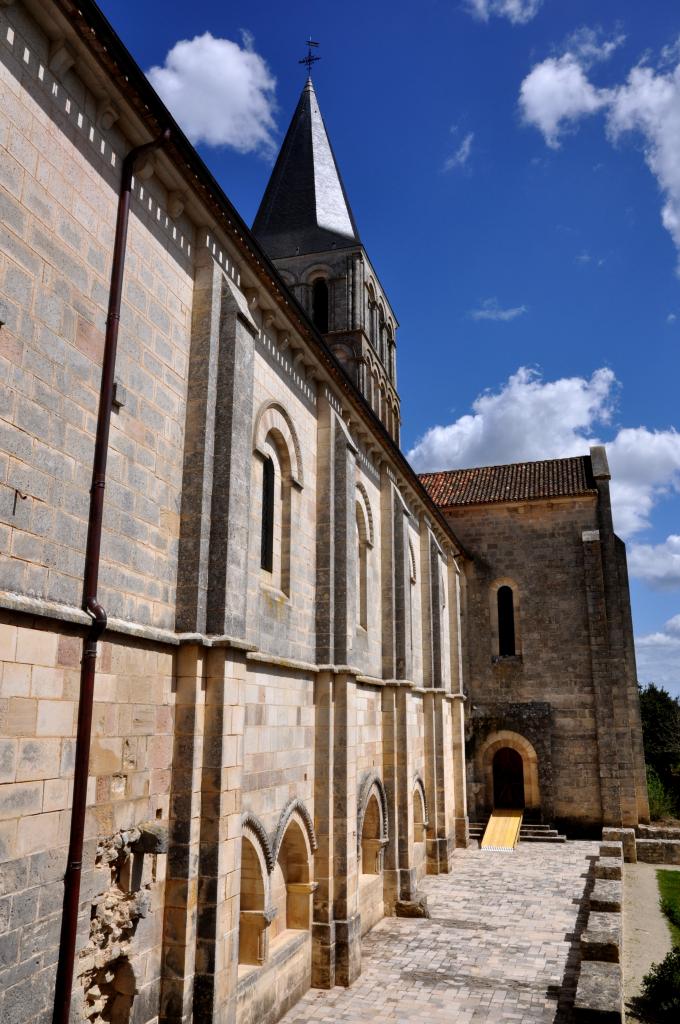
(508, 778)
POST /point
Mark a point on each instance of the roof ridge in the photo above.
(505, 465)
(511, 482)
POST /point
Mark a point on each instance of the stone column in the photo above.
(625, 698)
(325, 534)
(344, 528)
(635, 720)
(410, 903)
(387, 561)
(610, 791)
(345, 860)
(438, 845)
(391, 759)
(181, 886)
(230, 507)
(219, 856)
(197, 476)
(457, 711)
(323, 924)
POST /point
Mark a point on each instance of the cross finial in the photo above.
(310, 58)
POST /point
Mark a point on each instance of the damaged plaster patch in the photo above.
(105, 971)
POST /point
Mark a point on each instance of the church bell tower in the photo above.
(306, 226)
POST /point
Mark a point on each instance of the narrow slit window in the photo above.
(362, 570)
(320, 305)
(267, 546)
(506, 622)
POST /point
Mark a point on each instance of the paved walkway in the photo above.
(499, 947)
(646, 935)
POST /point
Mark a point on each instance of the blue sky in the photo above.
(508, 163)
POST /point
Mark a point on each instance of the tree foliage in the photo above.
(659, 999)
(661, 734)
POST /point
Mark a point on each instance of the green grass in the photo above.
(669, 890)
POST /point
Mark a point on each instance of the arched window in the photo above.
(267, 542)
(372, 317)
(291, 891)
(419, 819)
(506, 621)
(362, 568)
(253, 938)
(372, 844)
(320, 304)
(382, 335)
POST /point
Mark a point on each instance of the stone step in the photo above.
(527, 833)
(543, 839)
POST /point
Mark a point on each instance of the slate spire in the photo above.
(305, 208)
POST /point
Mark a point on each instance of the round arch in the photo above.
(295, 810)
(272, 418)
(363, 500)
(252, 827)
(420, 815)
(372, 785)
(514, 741)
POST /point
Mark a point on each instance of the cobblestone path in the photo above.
(501, 945)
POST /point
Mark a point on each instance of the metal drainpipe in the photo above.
(69, 924)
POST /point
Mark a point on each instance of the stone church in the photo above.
(314, 668)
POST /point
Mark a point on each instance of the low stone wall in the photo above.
(658, 844)
(599, 996)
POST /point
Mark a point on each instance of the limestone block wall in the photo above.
(130, 783)
(367, 640)
(60, 174)
(415, 609)
(369, 730)
(281, 605)
(538, 549)
(278, 739)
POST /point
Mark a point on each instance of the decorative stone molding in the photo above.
(107, 114)
(294, 807)
(372, 782)
(252, 823)
(272, 416)
(419, 785)
(176, 203)
(363, 493)
(61, 59)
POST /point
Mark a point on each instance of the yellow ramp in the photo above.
(502, 832)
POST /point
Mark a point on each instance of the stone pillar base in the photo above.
(438, 856)
(348, 950)
(416, 907)
(462, 832)
(323, 954)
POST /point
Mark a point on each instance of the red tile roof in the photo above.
(520, 481)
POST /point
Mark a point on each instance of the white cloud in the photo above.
(557, 93)
(219, 92)
(532, 419)
(590, 46)
(490, 310)
(649, 103)
(528, 418)
(645, 466)
(658, 656)
(657, 564)
(671, 318)
(516, 11)
(462, 154)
